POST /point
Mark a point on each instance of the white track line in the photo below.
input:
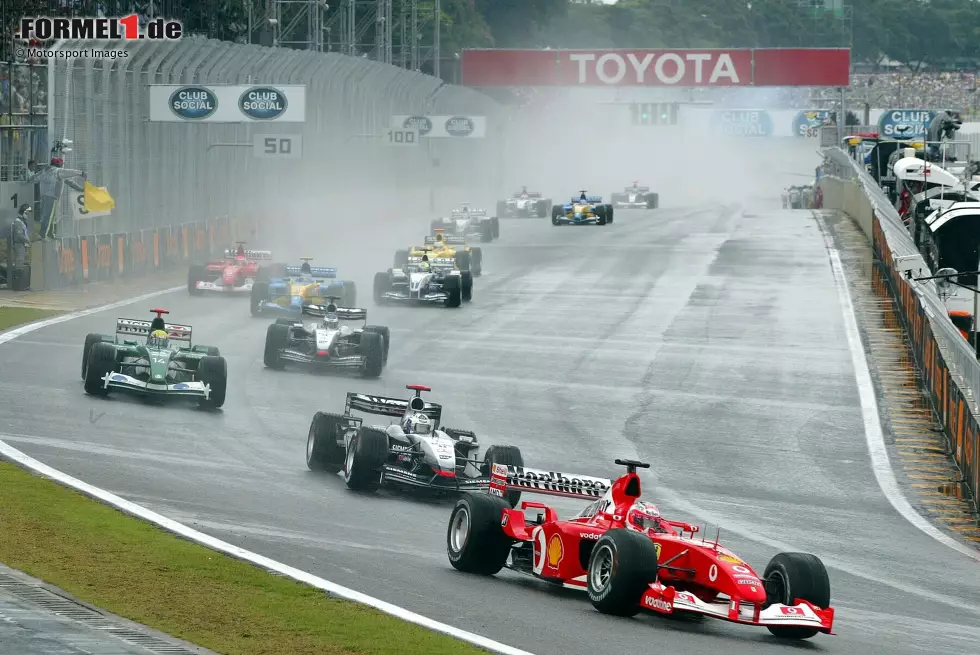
(12, 454)
(873, 433)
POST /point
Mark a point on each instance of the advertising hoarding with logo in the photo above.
(442, 127)
(902, 124)
(233, 103)
(808, 122)
(741, 122)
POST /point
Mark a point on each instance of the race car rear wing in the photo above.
(587, 199)
(250, 254)
(639, 189)
(383, 406)
(472, 212)
(448, 240)
(551, 483)
(135, 328)
(315, 271)
(535, 195)
(440, 262)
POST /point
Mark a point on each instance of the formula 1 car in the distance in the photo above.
(328, 343)
(235, 273)
(424, 281)
(440, 246)
(415, 453)
(628, 557)
(158, 366)
(468, 223)
(582, 210)
(299, 286)
(635, 197)
(524, 204)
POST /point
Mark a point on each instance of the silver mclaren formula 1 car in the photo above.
(468, 223)
(416, 452)
(424, 282)
(635, 197)
(328, 343)
(524, 204)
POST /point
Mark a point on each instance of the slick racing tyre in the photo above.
(196, 273)
(365, 455)
(382, 285)
(385, 333)
(653, 201)
(495, 222)
(324, 445)
(454, 293)
(372, 349)
(621, 565)
(508, 456)
(101, 362)
(213, 371)
(556, 213)
(466, 281)
(541, 210)
(276, 339)
(475, 541)
(90, 340)
(609, 213)
(476, 262)
(258, 295)
(796, 575)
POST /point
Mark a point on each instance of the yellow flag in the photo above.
(98, 199)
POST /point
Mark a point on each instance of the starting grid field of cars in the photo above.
(619, 549)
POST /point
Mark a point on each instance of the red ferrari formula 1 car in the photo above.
(628, 557)
(236, 272)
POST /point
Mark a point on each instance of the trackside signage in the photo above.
(741, 122)
(232, 103)
(679, 68)
(905, 123)
(807, 123)
(457, 126)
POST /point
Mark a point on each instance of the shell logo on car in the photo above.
(555, 551)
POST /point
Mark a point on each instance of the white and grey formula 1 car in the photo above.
(442, 284)
(469, 223)
(524, 204)
(328, 343)
(415, 453)
(635, 197)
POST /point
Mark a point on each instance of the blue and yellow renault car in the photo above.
(300, 286)
(582, 210)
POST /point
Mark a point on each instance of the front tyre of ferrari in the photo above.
(385, 333)
(372, 349)
(366, 454)
(476, 542)
(507, 456)
(90, 340)
(195, 274)
(621, 566)
(101, 362)
(213, 371)
(323, 452)
(276, 338)
(796, 575)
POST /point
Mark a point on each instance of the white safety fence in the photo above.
(160, 172)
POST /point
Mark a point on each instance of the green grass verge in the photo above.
(11, 316)
(139, 571)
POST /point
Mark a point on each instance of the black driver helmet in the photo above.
(305, 269)
(158, 324)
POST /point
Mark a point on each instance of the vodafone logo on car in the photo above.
(656, 67)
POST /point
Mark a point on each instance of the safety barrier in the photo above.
(948, 363)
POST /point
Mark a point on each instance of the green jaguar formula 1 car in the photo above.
(160, 364)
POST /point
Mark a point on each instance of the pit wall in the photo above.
(950, 371)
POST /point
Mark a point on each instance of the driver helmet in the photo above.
(305, 269)
(240, 253)
(425, 266)
(644, 517)
(331, 321)
(417, 424)
(582, 197)
(158, 339)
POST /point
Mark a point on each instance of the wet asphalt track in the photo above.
(707, 341)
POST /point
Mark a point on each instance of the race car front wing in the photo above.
(135, 385)
(353, 361)
(455, 482)
(406, 296)
(204, 285)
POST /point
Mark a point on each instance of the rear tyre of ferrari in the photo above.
(382, 284)
(385, 333)
(213, 371)
(276, 338)
(90, 340)
(508, 456)
(621, 566)
(258, 295)
(365, 455)
(324, 449)
(195, 274)
(101, 361)
(796, 575)
(372, 349)
(475, 541)
(556, 213)
(466, 280)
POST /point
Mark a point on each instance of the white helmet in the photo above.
(417, 423)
